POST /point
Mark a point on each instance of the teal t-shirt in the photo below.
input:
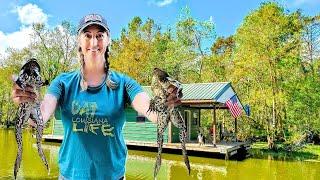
(93, 146)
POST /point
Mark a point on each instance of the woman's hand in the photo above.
(174, 98)
(19, 96)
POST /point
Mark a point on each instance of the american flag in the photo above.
(234, 106)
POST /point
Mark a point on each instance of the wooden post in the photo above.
(53, 125)
(169, 132)
(235, 129)
(214, 141)
(220, 132)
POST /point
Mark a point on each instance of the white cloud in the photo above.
(30, 14)
(162, 3)
(16, 40)
(211, 19)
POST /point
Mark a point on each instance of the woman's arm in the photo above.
(141, 103)
(48, 106)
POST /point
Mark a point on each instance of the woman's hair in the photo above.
(84, 85)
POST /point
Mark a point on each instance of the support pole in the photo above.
(235, 128)
(214, 141)
(169, 132)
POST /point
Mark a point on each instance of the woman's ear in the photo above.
(108, 41)
(78, 40)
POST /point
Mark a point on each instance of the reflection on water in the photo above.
(140, 164)
(32, 166)
(141, 167)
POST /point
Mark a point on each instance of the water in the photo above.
(140, 164)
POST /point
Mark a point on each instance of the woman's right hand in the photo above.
(20, 96)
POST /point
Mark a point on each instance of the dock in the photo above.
(226, 150)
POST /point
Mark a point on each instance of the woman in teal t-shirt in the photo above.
(91, 101)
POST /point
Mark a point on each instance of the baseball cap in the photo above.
(91, 19)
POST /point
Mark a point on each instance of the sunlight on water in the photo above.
(140, 164)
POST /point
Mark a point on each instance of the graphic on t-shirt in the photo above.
(85, 121)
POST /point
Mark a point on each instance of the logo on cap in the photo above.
(93, 17)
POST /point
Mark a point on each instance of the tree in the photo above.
(7, 108)
(130, 54)
(55, 49)
(188, 52)
(216, 67)
(310, 51)
(265, 60)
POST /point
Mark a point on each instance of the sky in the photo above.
(17, 16)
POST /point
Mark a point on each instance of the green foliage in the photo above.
(134, 48)
(178, 50)
(7, 108)
(309, 152)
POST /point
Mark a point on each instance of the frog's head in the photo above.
(160, 75)
(29, 74)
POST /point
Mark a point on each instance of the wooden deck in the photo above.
(235, 150)
(52, 138)
(225, 150)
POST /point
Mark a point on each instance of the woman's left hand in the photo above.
(174, 98)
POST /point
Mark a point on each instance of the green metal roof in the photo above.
(200, 91)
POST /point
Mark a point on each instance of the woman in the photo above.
(91, 101)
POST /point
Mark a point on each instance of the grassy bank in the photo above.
(309, 153)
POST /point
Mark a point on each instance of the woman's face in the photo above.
(93, 42)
